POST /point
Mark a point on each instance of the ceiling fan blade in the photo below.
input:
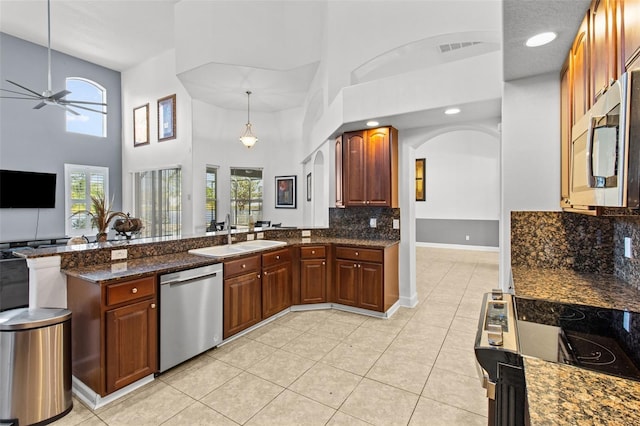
(69, 101)
(81, 107)
(16, 97)
(23, 94)
(60, 94)
(28, 90)
(68, 109)
(40, 105)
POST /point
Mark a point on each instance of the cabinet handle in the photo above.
(357, 254)
(313, 252)
(277, 257)
(359, 266)
(153, 306)
(265, 273)
(259, 276)
(324, 263)
(244, 266)
(134, 290)
(355, 266)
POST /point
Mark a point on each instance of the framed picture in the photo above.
(141, 125)
(420, 192)
(167, 118)
(285, 192)
(309, 187)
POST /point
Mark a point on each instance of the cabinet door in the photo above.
(370, 286)
(276, 289)
(353, 172)
(602, 48)
(313, 281)
(580, 71)
(565, 134)
(378, 168)
(242, 295)
(346, 283)
(131, 343)
(630, 30)
(339, 183)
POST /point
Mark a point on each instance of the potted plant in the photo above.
(101, 215)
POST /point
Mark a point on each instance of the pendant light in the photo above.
(248, 138)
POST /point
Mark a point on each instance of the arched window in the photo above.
(88, 122)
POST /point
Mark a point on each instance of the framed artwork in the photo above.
(167, 118)
(309, 187)
(285, 192)
(420, 193)
(141, 125)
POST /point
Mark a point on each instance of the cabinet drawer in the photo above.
(275, 257)
(130, 290)
(313, 252)
(241, 266)
(353, 253)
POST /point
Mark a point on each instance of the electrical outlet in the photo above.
(466, 237)
(626, 320)
(627, 247)
(373, 222)
(118, 254)
(260, 235)
(306, 233)
(396, 223)
(250, 237)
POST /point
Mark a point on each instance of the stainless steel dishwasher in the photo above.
(190, 313)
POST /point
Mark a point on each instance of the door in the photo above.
(378, 168)
(346, 279)
(353, 173)
(371, 286)
(132, 343)
(242, 308)
(313, 281)
(276, 289)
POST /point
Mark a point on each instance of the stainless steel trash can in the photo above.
(35, 365)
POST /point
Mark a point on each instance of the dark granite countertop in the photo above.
(105, 273)
(581, 288)
(560, 394)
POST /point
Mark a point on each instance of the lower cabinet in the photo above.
(366, 278)
(114, 331)
(313, 274)
(276, 282)
(242, 294)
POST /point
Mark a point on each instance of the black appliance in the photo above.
(20, 189)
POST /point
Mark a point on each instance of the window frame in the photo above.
(158, 222)
(233, 201)
(68, 202)
(211, 219)
(103, 117)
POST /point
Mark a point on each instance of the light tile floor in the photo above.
(335, 368)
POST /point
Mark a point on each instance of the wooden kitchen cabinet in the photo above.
(276, 282)
(565, 134)
(339, 182)
(581, 93)
(628, 19)
(603, 47)
(313, 274)
(369, 172)
(114, 331)
(366, 278)
(242, 294)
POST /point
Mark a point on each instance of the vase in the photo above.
(101, 237)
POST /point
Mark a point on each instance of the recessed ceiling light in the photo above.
(372, 123)
(541, 39)
(452, 111)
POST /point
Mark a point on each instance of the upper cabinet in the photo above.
(628, 21)
(602, 56)
(579, 65)
(369, 172)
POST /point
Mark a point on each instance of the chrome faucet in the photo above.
(228, 228)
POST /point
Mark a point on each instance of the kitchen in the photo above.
(519, 164)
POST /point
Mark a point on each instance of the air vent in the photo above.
(444, 48)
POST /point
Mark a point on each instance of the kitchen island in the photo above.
(559, 394)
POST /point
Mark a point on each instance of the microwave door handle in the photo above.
(589, 156)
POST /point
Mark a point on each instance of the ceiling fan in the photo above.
(48, 97)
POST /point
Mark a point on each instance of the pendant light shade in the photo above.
(248, 138)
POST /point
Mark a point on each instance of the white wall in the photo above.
(146, 83)
(462, 176)
(530, 153)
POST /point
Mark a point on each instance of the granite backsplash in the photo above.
(354, 223)
(564, 240)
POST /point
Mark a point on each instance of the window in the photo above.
(211, 194)
(81, 182)
(88, 122)
(158, 201)
(246, 195)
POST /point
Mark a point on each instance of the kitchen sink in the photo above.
(236, 249)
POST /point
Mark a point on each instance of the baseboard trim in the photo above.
(458, 247)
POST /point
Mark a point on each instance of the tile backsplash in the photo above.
(564, 240)
(355, 222)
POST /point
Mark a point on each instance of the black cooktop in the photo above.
(600, 353)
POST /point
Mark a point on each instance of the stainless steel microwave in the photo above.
(605, 149)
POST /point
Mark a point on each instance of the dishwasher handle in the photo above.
(188, 275)
(188, 280)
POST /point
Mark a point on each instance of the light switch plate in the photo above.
(260, 235)
(118, 254)
(306, 233)
(627, 247)
(250, 237)
(373, 222)
(396, 223)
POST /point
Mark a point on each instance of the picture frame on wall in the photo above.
(309, 187)
(285, 192)
(420, 179)
(167, 118)
(141, 125)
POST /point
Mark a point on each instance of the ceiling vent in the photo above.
(449, 47)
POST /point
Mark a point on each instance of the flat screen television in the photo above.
(23, 190)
